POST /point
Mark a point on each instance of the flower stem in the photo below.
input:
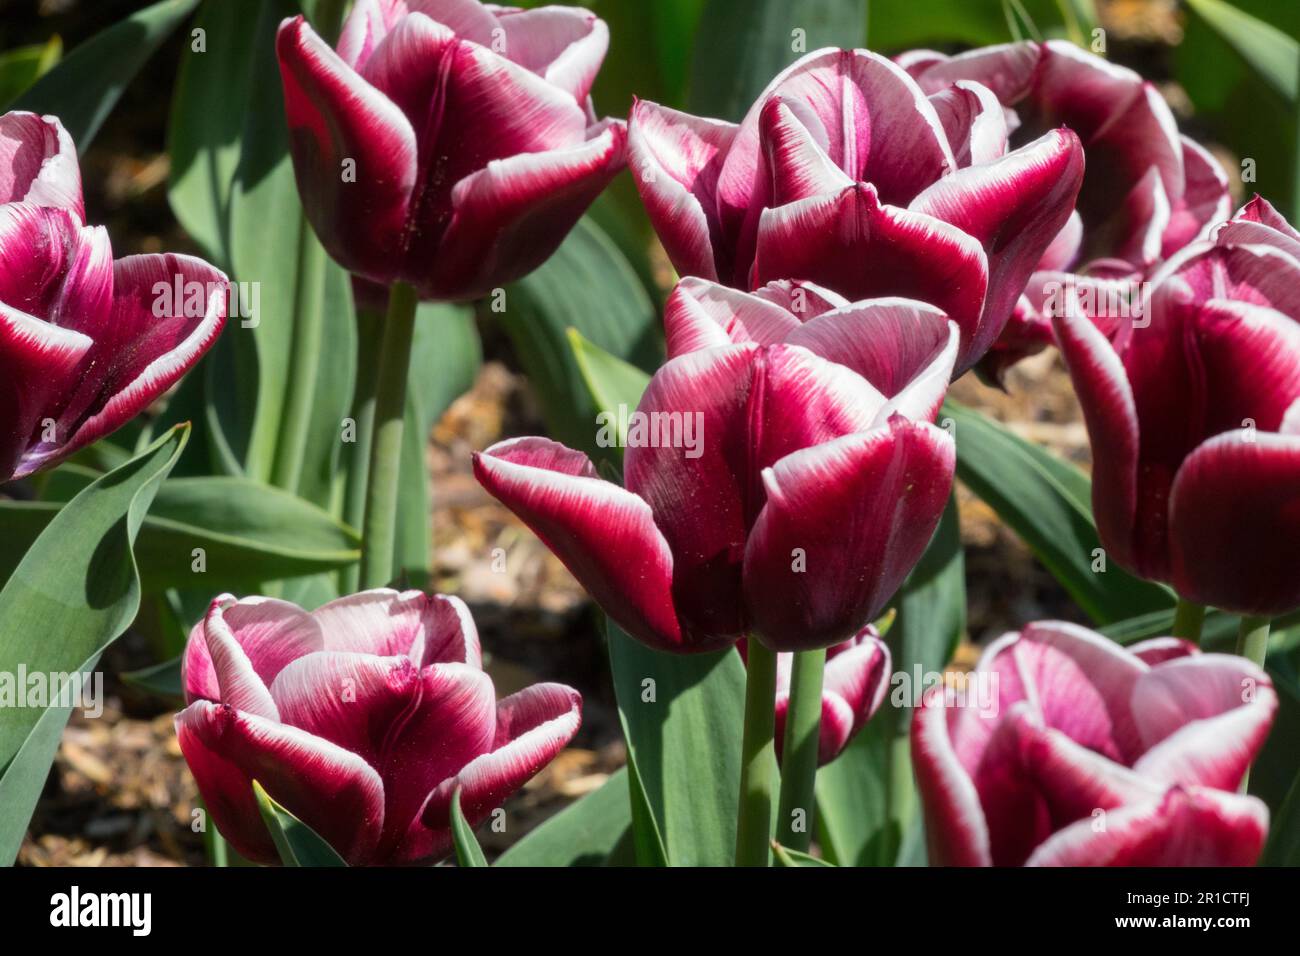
(1252, 644)
(380, 522)
(757, 757)
(370, 332)
(803, 721)
(1189, 618)
(304, 362)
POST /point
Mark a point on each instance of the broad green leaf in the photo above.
(248, 532)
(24, 65)
(587, 285)
(742, 45)
(647, 841)
(787, 857)
(585, 833)
(297, 843)
(85, 86)
(682, 715)
(468, 852)
(74, 592)
(897, 25)
(1046, 502)
(611, 381)
(161, 680)
(1283, 847)
(1270, 52)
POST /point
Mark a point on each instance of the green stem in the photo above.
(803, 721)
(1252, 644)
(304, 362)
(370, 333)
(757, 757)
(379, 525)
(1189, 618)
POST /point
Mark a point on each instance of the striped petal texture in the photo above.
(848, 174)
(782, 474)
(361, 718)
(86, 343)
(447, 143)
(1191, 409)
(1064, 749)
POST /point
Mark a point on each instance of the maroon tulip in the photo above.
(853, 686)
(86, 343)
(769, 489)
(361, 718)
(1147, 191)
(1082, 753)
(1194, 419)
(447, 144)
(845, 174)
(38, 163)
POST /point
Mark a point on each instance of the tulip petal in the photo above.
(532, 727)
(1157, 650)
(849, 241)
(1064, 249)
(566, 45)
(859, 511)
(1235, 523)
(335, 116)
(38, 365)
(904, 348)
(334, 792)
(1008, 69)
(426, 628)
(675, 160)
(800, 167)
(1206, 199)
(1258, 223)
(1204, 718)
(605, 536)
(955, 829)
(855, 683)
(148, 350)
(1110, 411)
(415, 726)
(1184, 828)
(1014, 206)
(367, 23)
(806, 300)
(702, 314)
(270, 633)
(38, 163)
(510, 216)
(974, 122)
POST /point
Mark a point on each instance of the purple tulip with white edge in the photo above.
(1193, 411)
(447, 144)
(1147, 191)
(86, 343)
(1084, 753)
(815, 486)
(844, 173)
(361, 718)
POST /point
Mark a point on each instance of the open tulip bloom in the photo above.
(469, 130)
(1193, 410)
(361, 718)
(1087, 754)
(846, 174)
(775, 523)
(1147, 192)
(86, 343)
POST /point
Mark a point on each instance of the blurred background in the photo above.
(119, 792)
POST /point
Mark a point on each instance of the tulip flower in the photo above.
(1148, 191)
(38, 163)
(813, 482)
(855, 682)
(1194, 418)
(1078, 752)
(361, 718)
(447, 144)
(844, 173)
(86, 343)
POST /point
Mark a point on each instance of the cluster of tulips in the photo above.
(872, 229)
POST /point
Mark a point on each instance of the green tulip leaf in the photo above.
(297, 843)
(468, 852)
